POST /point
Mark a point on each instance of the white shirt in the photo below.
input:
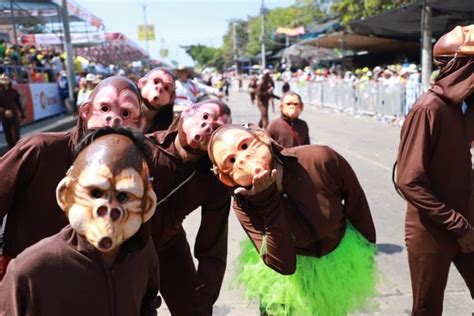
(189, 91)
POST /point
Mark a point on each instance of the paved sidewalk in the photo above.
(53, 124)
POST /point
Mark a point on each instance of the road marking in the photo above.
(350, 152)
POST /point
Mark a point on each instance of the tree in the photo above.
(205, 55)
(350, 10)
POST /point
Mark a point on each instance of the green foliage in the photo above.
(205, 55)
(350, 10)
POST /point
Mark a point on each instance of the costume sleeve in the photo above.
(305, 140)
(263, 219)
(417, 139)
(151, 301)
(355, 203)
(17, 168)
(14, 294)
(211, 251)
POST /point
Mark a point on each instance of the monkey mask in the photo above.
(198, 122)
(291, 105)
(157, 88)
(239, 153)
(115, 101)
(107, 194)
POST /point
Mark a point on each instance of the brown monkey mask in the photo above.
(157, 88)
(107, 194)
(198, 122)
(291, 106)
(115, 101)
(240, 153)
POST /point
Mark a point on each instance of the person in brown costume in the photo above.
(296, 205)
(103, 262)
(32, 169)
(11, 111)
(288, 130)
(264, 93)
(157, 88)
(252, 87)
(433, 174)
(187, 183)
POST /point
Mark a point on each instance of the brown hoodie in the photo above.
(434, 164)
(65, 275)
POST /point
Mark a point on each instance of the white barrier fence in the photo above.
(368, 98)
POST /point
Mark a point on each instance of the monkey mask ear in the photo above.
(225, 179)
(150, 204)
(85, 110)
(61, 192)
(142, 82)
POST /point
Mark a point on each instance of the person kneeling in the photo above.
(103, 262)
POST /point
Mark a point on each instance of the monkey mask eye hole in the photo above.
(122, 197)
(244, 146)
(205, 116)
(232, 160)
(104, 108)
(126, 113)
(96, 193)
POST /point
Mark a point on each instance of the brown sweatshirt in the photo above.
(320, 192)
(65, 275)
(200, 188)
(434, 163)
(29, 174)
(289, 133)
(10, 100)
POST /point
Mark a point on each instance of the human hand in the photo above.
(260, 183)
(466, 243)
(8, 113)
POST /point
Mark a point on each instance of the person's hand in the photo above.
(466, 243)
(8, 113)
(260, 183)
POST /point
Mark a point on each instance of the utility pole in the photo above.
(426, 49)
(234, 38)
(69, 58)
(144, 5)
(262, 36)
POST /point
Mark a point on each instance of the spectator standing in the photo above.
(10, 111)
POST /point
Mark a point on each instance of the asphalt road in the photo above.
(370, 146)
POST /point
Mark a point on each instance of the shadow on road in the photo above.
(389, 248)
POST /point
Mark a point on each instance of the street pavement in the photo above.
(370, 146)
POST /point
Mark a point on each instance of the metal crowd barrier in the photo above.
(365, 98)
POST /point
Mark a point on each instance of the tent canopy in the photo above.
(356, 42)
(43, 11)
(404, 22)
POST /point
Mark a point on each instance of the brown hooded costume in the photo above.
(289, 133)
(433, 173)
(30, 172)
(183, 187)
(104, 263)
(10, 101)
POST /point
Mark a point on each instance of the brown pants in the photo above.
(429, 274)
(177, 278)
(263, 108)
(11, 128)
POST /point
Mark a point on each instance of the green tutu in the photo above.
(335, 284)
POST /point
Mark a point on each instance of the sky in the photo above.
(176, 22)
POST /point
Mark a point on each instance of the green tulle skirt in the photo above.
(338, 283)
